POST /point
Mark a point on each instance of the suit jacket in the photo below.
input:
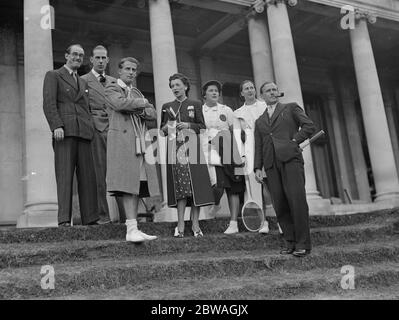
(65, 106)
(97, 101)
(273, 137)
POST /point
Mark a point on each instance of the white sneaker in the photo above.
(146, 236)
(265, 228)
(231, 229)
(134, 236)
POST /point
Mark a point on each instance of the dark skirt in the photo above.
(225, 182)
(143, 193)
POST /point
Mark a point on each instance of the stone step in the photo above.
(112, 273)
(118, 231)
(43, 253)
(375, 281)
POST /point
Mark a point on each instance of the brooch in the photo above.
(190, 110)
(223, 118)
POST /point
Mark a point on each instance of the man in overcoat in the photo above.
(131, 172)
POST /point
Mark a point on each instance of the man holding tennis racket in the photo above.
(278, 133)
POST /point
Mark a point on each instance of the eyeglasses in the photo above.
(75, 54)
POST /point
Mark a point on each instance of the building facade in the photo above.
(338, 59)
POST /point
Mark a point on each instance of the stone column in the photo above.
(353, 130)
(344, 170)
(389, 109)
(164, 63)
(287, 78)
(41, 203)
(11, 128)
(374, 116)
(261, 53)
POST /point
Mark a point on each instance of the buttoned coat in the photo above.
(67, 106)
(273, 137)
(99, 106)
(123, 165)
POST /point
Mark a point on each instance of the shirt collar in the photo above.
(207, 108)
(96, 74)
(272, 106)
(123, 85)
(69, 69)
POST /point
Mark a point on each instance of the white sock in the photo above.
(233, 223)
(131, 224)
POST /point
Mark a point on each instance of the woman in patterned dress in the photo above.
(188, 181)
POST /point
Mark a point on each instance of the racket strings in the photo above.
(252, 217)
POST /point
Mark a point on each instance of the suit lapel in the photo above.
(82, 87)
(279, 108)
(68, 78)
(95, 84)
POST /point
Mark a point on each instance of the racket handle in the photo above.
(315, 137)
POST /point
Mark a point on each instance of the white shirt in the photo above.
(73, 73)
(270, 109)
(97, 75)
(248, 114)
(217, 118)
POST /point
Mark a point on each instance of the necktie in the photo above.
(75, 76)
(102, 80)
(270, 111)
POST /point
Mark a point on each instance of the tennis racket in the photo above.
(315, 137)
(251, 212)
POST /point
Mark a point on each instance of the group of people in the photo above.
(100, 128)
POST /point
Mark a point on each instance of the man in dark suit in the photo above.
(278, 133)
(97, 80)
(66, 107)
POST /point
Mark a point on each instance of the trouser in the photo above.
(286, 183)
(99, 149)
(70, 154)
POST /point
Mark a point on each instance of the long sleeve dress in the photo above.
(187, 172)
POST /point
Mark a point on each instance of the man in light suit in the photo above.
(97, 80)
(66, 107)
(278, 133)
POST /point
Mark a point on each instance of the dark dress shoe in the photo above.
(103, 221)
(287, 251)
(301, 253)
(64, 224)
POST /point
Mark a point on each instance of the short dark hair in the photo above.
(182, 78)
(265, 84)
(130, 59)
(68, 50)
(209, 83)
(99, 47)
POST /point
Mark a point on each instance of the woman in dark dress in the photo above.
(188, 181)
